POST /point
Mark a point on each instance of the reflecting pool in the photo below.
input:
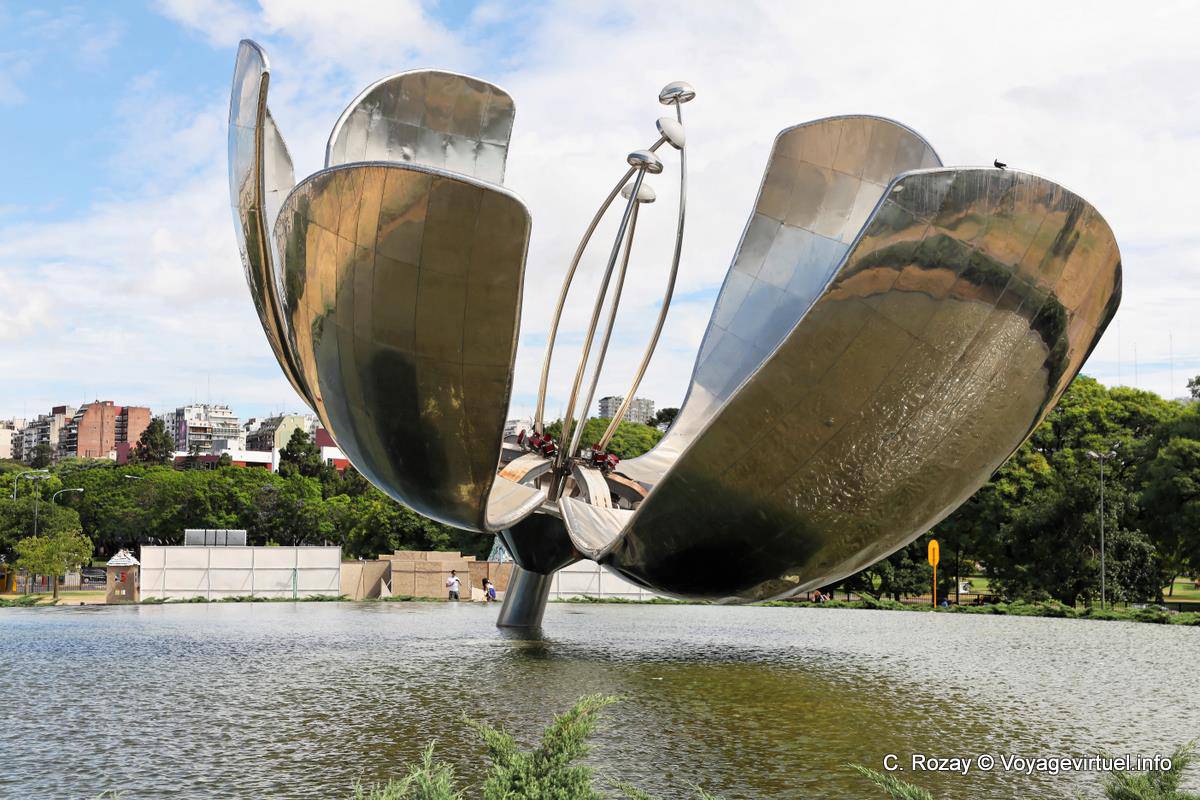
(303, 700)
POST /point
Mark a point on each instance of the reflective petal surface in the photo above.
(440, 119)
(960, 315)
(260, 176)
(402, 295)
(822, 181)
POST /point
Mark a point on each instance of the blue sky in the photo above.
(119, 277)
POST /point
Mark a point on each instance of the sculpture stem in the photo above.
(662, 314)
(608, 329)
(569, 415)
(562, 299)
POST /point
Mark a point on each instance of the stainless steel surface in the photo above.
(880, 345)
(403, 304)
(822, 180)
(525, 599)
(260, 174)
(594, 529)
(645, 194)
(966, 306)
(569, 413)
(391, 292)
(610, 324)
(672, 131)
(431, 117)
(676, 92)
(652, 345)
(568, 279)
(644, 159)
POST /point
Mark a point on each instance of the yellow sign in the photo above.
(934, 557)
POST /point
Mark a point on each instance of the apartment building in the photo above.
(45, 429)
(195, 427)
(99, 429)
(274, 432)
(10, 438)
(640, 410)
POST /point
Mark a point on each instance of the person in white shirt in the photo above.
(453, 584)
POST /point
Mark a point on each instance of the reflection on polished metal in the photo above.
(888, 333)
(525, 600)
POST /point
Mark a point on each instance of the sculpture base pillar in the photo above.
(525, 600)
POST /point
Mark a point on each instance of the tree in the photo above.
(1171, 503)
(225, 460)
(665, 416)
(53, 554)
(42, 456)
(301, 456)
(1193, 386)
(629, 440)
(155, 445)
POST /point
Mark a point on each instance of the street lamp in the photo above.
(30, 474)
(60, 491)
(1102, 457)
(40, 475)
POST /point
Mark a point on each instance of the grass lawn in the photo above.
(65, 598)
(1185, 589)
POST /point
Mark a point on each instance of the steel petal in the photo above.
(430, 117)
(260, 176)
(402, 297)
(964, 309)
(822, 181)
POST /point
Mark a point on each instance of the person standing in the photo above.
(453, 584)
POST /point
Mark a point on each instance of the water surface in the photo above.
(302, 700)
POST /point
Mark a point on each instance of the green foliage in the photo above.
(629, 440)
(548, 771)
(301, 456)
(157, 503)
(892, 786)
(1034, 528)
(1155, 784)
(155, 445)
(24, 601)
(428, 780)
(1171, 503)
(53, 554)
(42, 456)
(17, 516)
(665, 416)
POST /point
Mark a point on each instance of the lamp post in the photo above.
(37, 495)
(1102, 457)
(30, 474)
(60, 491)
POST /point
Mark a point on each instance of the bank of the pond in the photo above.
(1015, 609)
(1050, 609)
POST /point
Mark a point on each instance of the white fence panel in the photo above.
(179, 573)
(589, 579)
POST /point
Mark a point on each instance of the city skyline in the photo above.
(121, 280)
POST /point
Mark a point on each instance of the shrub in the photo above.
(548, 771)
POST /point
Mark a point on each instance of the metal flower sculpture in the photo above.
(889, 332)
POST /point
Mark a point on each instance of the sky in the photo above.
(119, 273)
